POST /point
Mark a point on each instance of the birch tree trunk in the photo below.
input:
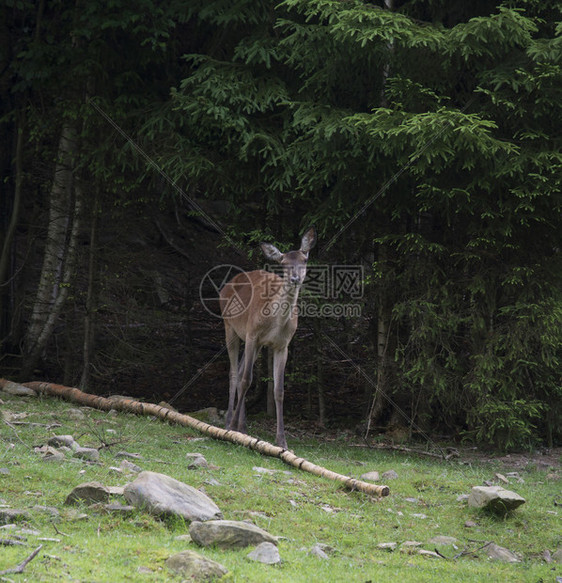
(60, 249)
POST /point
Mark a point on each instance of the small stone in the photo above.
(470, 524)
(498, 553)
(76, 414)
(51, 510)
(196, 460)
(387, 546)
(412, 500)
(127, 466)
(4, 472)
(432, 554)
(389, 475)
(74, 515)
(49, 453)
(557, 556)
(462, 497)
(266, 553)
(260, 470)
(373, 476)
(136, 456)
(318, 551)
(59, 440)
(116, 508)
(89, 454)
(194, 567)
(502, 478)
(88, 492)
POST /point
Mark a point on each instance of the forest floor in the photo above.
(398, 537)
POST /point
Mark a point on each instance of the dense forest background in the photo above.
(143, 144)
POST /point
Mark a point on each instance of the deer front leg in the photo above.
(279, 362)
(233, 347)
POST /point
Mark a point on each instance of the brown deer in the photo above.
(260, 308)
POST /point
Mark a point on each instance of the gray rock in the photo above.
(116, 508)
(18, 390)
(196, 460)
(371, 476)
(136, 456)
(194, 567)
(4, 472)
(389, 475)
(51, 510)
(318, 551)
(230, 534)
(431, 554)
(89, 493)
(49, 453)
(128, 466)
(266, 553)
(59, 440)
(164, 496)
(387, 546)
(498, 553)
(557, 556)
(76, 414)
(90, 454)
(494, 498)
(9, 515)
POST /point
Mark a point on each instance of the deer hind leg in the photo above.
(279, 362)
(244, 382)
(233, 347)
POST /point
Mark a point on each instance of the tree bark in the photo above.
(263, 447)
(6, 251)
(60, 250)
(89, 319)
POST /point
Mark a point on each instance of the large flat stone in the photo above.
(494, 498)
(165, 496)
(230, 534)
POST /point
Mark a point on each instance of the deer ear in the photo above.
(308, 240)
(271, 252)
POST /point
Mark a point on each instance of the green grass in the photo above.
(300, 508)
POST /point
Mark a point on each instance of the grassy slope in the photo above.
(299, 507)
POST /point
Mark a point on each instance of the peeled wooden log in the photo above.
(263, 447)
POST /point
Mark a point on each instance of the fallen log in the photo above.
(166, 414)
